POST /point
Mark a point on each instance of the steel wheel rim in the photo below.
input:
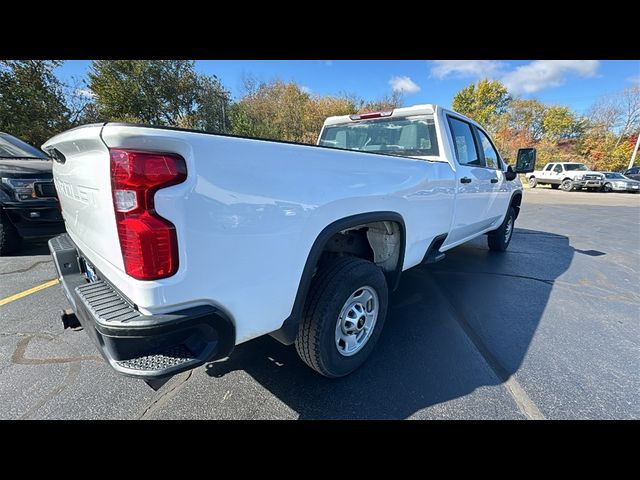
(532, 182)
(508, 230)
(566, 185)
(356, 321)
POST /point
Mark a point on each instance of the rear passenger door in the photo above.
(474, 187)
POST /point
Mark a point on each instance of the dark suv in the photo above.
(29, 205)
(633, 173)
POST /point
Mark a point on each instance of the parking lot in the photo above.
(551, 329)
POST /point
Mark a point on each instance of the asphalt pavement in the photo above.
(548, 330)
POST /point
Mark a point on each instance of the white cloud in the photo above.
(634, 79)
(541, 74)
(84, 92)
(305, 89)
(465, 68)
(529, 78)
(404, 85)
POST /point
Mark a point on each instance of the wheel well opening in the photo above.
(515, 203)
(378, 242)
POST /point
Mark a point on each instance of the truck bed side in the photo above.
(247, 214)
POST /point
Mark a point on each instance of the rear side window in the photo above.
(463, 143)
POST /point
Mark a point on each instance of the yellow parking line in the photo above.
(20, 295)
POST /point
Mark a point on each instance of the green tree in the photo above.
(560, 122)
(32, 100)
(158, 92)
(484, 102)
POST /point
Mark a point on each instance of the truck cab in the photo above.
(462, 158)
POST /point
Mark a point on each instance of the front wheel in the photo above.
(533, 183)
(567, 185)
(499, 239)
(607, 187)
(343, 316)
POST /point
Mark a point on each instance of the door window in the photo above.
(549, 167)
(558, 169)
(464, 144)
(490, 153)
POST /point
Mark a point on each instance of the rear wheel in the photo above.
(533, 183)
(567, 185)
(343, 316)
(607, 187)
(499, 239)
(555, 186)
(9, 238)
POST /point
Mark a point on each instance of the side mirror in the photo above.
(526, 161)
(510, 174)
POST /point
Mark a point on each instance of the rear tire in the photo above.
(555, 186)
(324, 337)
(567, 185)
(9, 238)
(533, 182)
(500, 238)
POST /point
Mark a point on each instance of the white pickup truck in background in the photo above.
(183, 244)
(566, 176)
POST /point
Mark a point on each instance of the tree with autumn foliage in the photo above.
(603, 139)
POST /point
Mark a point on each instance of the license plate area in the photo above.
(89, 271)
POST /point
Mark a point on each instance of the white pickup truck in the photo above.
(566, 175)
(182, 244)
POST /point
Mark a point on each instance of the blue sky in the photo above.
(574, 83)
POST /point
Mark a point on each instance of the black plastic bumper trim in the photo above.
(134, 344)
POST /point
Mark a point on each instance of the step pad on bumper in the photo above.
(168, 358)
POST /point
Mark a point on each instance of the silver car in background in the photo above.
(617, 182)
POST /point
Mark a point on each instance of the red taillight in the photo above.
(148, 242)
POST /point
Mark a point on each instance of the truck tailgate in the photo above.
(83, 181)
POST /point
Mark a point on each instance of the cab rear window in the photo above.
(405, 136)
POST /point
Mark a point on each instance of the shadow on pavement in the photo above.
(452, 327)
